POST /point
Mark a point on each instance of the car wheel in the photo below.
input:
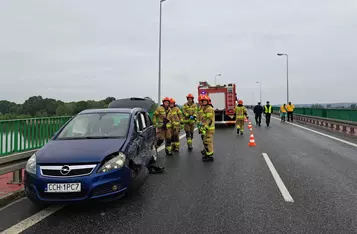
(139, 174)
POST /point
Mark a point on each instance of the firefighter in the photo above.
(208, 129)
(199, 118)
(240, 111)
(190, 117)
(161, 120)
(176, 116)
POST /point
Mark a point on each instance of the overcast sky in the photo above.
(90, 49)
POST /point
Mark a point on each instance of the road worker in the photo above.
(240, 111)
(290, 108)
(162, 121)
(283, 112)
(189, 110)
(176, 116)
(208, 129)
(258, 111)
(268, 110)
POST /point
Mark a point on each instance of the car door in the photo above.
(146, 137)
(138, 139)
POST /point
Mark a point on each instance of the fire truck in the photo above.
(223, 98)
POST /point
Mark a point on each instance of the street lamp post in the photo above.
(215, 79)
(260, 90)
(160, 25)
(287, 76)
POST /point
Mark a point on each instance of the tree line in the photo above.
(37, 106)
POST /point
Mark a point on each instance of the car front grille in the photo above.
(67, 170)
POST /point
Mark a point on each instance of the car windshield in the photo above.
(96, 126)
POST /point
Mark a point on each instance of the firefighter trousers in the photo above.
(240, 124)
(189, 129)
(208, 143)
(164, 135)
(175, 138)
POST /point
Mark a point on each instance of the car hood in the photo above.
(78, 151)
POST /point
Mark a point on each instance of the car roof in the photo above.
(133, 102)
(111, 110)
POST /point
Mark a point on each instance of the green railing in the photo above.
(339, 114)
(20, 135)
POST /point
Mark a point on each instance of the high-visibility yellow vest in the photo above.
(267, 111)
(290, 108)
(282, 109)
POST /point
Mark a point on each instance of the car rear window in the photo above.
(97, 125)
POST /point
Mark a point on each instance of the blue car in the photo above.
(99, 153)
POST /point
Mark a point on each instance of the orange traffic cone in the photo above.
(250, 125)
(251, 142)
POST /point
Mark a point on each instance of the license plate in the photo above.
(63, 188)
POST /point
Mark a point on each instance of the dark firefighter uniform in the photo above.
(240, 111)
(207, 129)
(175, 116)
(162, 120)
(189, 110)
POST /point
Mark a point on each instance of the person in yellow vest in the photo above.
(283, 112)
(162, 120)
(189, 111)
(290, 108)
(240, 111)
(207, 129)
(268, 110)
(176, 116)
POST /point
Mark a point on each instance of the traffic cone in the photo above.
(250, 125)
(251, 142)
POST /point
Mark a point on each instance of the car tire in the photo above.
(140, 174)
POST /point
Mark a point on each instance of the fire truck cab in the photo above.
(223, 98)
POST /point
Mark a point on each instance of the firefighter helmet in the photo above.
(166, 99)
(190, 96)
(240, 102)
(172, 101)
(205, 98)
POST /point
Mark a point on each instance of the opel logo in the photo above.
(65, 170)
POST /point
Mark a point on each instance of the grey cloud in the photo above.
(80, 49)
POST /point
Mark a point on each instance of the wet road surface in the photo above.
(237, 193)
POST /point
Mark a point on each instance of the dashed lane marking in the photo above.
(284, 191)
(320, 133)
(32, 220)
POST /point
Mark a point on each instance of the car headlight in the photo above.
(31, 164)
(116, 162)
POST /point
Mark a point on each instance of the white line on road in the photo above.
(32, 220)
(322, 134)
(35, 218)
(284, 191)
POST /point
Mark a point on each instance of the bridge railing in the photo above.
(22, 135)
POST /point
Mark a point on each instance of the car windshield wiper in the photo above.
(89, 137)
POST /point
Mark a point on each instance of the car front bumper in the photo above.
(93, 186)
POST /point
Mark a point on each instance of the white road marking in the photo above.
(284, 191)
(322, 134)
(32, 220)
(12, 203)
(35, 218)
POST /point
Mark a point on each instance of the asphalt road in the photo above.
(237, 193)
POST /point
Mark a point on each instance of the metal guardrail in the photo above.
(333, 124)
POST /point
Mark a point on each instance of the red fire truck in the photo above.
(223, 98)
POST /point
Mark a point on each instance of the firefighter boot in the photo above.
(238, 131)
(207, 158)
